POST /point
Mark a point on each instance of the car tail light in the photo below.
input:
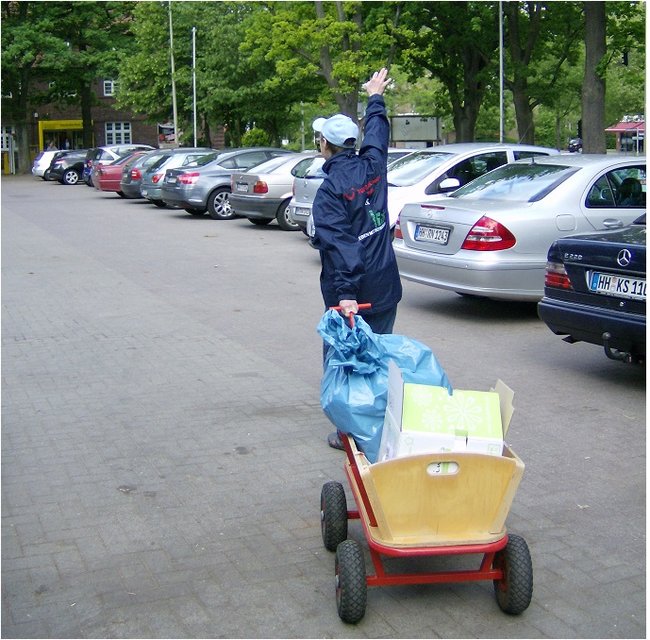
(135, 174)
(556, 276)
(260, 187)
(157, 177)
(189, 177)
(488, 235)
(398, 230)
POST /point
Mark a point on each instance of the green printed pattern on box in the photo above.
(430, 409)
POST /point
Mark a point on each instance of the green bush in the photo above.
(256, 138)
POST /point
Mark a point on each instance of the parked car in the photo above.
(491, 237)
(132, 176)
(308, 176)
(110, 175)
(153, 174)
(575, 145)
(595, 290)
(67, 168)
(263, 193)
(42, 163)
(57, 154)
(204, 185)
(106, 154)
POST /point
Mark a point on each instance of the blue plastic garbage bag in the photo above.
(354, 388)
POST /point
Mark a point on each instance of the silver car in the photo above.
(204, 185)
(262, 194)
(491, 237)
(153, 175)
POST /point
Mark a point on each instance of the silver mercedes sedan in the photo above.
(491, 237)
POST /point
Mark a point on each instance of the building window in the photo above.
(118, 132)
(109, 87)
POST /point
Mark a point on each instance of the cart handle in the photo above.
(363, 305)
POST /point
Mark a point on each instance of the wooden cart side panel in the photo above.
(413, 506)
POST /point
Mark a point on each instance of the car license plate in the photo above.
(301, 211)
(619, 286)
(170, 180)
(242, 187)
(432, 234)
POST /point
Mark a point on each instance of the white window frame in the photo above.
(109, 88)
(117, 133)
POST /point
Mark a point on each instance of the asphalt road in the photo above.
(163, 447)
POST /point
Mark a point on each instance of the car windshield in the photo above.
(516, 182)
(412, 168)
(309, 168)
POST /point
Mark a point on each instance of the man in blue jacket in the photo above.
(350, 213)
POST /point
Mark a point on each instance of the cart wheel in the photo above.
(333, 515)
(351, 586)
(515, 590)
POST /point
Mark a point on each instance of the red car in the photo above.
(108, 176)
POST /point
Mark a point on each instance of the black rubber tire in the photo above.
(515, 591)
(260, 222)
(219, 204)
(282, 216)
(333, 515)
(159, 203)
(196, 212)
(351, 585)
(70, 176)
(121, 194)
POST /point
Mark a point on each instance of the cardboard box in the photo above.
(426, 419)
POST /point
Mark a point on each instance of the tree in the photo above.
(53, 51)
(542, 37)
(455, 42)
(593, 87)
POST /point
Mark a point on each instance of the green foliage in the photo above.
(256, 138)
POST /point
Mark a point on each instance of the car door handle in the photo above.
(612, 223)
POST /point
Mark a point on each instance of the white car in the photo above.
(42, 163)
(429, 172)
(491, 237)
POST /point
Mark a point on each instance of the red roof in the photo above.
(623, 127)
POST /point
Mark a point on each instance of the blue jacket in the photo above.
(350, 214)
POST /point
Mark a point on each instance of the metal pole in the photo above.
(501, 113)
(171, 51)
(194, 79)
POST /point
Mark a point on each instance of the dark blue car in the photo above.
(595, 290)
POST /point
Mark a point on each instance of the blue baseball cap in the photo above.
(340, 130)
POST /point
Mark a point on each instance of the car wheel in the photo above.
(121, 194)
(196, 212)
(159, 203)
(219, 204)
(70, 176)
(260, 222)
(283, 219)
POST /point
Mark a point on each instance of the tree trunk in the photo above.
(593, 87)
(86, 115)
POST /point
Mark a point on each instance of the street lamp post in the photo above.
(171, 52)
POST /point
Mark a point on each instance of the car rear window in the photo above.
(414, 167)
(516, 182)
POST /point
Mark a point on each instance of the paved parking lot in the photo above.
(163, 445)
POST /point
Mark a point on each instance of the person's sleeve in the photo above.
(376, 128)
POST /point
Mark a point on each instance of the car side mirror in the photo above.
(448, 184)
